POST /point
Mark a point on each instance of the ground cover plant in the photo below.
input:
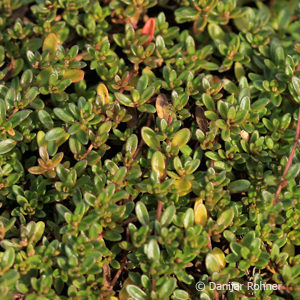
(149, 148)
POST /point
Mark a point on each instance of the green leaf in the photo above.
(43, 76)
(113, 236)
(2, 53)
(248, 241)
(168, 215)
(296, 84)
(207, 65)
(160, 43)
(147, 94)
(2, 110)
(260, 103)
(293, 171)
(136, 293)
(18, 66)
(185, 14)
(73, 129)
(216, 32)
(8, 258)
(167, 288)
(208, 102)
(7, 145)
(62, 209)
(131, 144)
(191, 166)
(124, 99)
(150, 138)
(148, 108)
(63, 115)
(152, 250)
(181, 295)
(212, 155)
(10, 98)
(181, 138)
(211, 115)
(90, 198)
(38, 232)
(222, 109)
(34, 44)
(284, 18)
(188, 219)
(211, 264)
(239, 186)
(55, 134)
(142, 83)
(268, 197)
(231, 113)
(142, 213)
(19, 116)
(239, 71)
(45, 118)
(226, 218)
(9, 278)
(30, 95)
(221, 124)
(158, 164)
(229, 236)
(120, 175)
(119, 195)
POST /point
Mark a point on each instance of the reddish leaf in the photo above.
(148, 29)
(36, 170)
(74, 74)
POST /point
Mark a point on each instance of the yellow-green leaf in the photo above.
(200, 213)
(150, 138)
(158, 164)
(7, 145)
(183, 186)
(211, 263)
(220, 256)
(181, 138)
(51, 44)
(289, 248)
(103, 93)
(74, 74)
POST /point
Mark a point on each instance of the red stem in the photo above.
(282, 182)
(87, 152)
(159, 209)
(116, 277)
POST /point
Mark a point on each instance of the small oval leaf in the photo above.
(200, 213)
(103, 93)
(7, 145)
(239, 186)
(74, 74)
(142, 213)
(181, 138)
(51, 44)
(150, 138)
(158, 164)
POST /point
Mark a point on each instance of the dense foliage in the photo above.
(147, 145)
